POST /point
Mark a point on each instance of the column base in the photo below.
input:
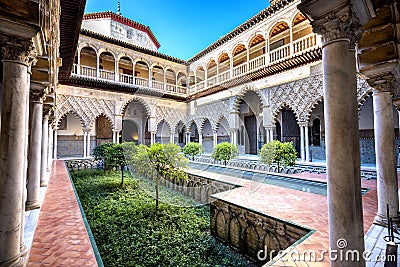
(18, 261)
(32, 206)
(24, 251)
(382, 221)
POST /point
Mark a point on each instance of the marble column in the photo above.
(307, 144)
(302, 154)
(114, 136)
(88, 150)
(201, 138)
(234, 137)
(387, 185)
(172, 138)
(271, 134)
(84, 144)
(55, 144)
(359, 216)
(17, 56)
(398, 155)
(187, 137)
(215, 138)
(340, 109)
(35, 151)
(152, 138)
(50, 147)
(45, 144)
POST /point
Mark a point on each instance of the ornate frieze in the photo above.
(19, 50)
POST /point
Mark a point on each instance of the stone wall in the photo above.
(250, 231)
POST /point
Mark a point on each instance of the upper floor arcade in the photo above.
(276, 39)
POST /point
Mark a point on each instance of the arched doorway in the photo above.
(194, 133)
(134, 123)
(250, 109)
(223, 131)
(208, 141)
(163, 134)
(180, 130)
(290, 130)
(130, 132)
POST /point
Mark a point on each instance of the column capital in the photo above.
(383, 83)
(36, 97)
(303, 123)
(18, 50)
(335, 20)
(341, 24)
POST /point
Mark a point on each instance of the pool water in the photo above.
(272, 179)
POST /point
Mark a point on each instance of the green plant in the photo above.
(225, 151)
(99, 153)
(192, 149)
(165, 159)
(114, 158)
(278, 152)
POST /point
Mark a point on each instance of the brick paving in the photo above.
(61, 238)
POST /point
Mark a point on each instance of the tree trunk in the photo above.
(122, 175)
(156, 197)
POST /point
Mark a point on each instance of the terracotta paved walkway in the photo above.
(61, 238)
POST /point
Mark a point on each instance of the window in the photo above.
(129, 34)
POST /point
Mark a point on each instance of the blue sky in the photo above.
(184, 28)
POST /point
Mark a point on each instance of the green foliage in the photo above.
(163, 161)
(128, 233)
(115, 155)
(193, 149)
(278, 152)
(225, 151)
(130, 149)
(114, 158)
(99, 152)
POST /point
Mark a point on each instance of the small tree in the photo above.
(225, 151)
(278, 152)
(192, 149)
(166, 160)
(115, 158)
(99, 153)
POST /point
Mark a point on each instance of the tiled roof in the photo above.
(125, 21)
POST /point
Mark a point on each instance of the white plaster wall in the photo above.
(102, 26)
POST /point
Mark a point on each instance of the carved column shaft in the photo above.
(17, 57)
(342, 153)
(45, 148)
(34, 157)
(387, 183)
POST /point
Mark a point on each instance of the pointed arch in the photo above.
(241, 94)
(146, 105)
(93, 119)
(64, 114)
